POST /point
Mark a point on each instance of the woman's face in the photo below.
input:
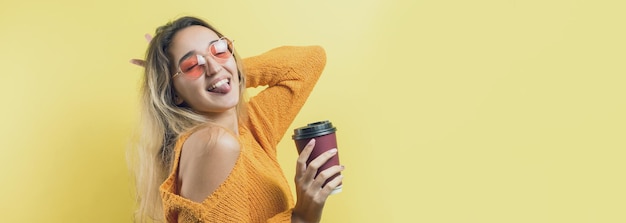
(216, 90)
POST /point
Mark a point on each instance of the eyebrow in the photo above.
(192, 52)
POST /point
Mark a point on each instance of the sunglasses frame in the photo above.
(230, 43)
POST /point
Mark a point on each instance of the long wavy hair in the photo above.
(162, 121)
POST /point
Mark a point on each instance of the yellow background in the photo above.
(448, 111)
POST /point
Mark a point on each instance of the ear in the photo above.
(178, 100)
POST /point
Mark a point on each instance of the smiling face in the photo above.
(216, 90)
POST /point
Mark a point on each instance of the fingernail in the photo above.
(343, 167)
(332, 151)
(311, 142)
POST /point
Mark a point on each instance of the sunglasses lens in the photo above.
(222, 49)
(192, 67)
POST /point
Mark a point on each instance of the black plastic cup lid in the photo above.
(314, 129)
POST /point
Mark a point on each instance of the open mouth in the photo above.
(222, 86)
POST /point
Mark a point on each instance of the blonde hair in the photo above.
(162, 121)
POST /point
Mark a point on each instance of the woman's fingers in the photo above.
(313, 167)
(138, 62)
(307, 177)
(316, 163)
(330, 186)
(325, 175)
(301, 165)
(148, 37)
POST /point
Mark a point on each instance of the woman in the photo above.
(206, 155)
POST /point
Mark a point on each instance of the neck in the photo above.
(227, 119)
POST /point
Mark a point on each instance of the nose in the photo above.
(212, 66)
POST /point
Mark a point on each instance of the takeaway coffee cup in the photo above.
(325, 139)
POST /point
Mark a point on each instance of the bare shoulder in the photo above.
(207, 158)
(210, 139)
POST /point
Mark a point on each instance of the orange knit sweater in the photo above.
(256, 189)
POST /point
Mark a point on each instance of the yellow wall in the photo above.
(448, 111)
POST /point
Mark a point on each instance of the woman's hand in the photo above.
(311, 194)
(140, 62)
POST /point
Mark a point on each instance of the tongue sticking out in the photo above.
(222, 87)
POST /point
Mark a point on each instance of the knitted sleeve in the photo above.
(290, 73)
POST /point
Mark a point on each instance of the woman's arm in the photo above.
(290, 73)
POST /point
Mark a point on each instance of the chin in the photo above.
(224, 107)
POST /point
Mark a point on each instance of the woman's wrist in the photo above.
(295, 218)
